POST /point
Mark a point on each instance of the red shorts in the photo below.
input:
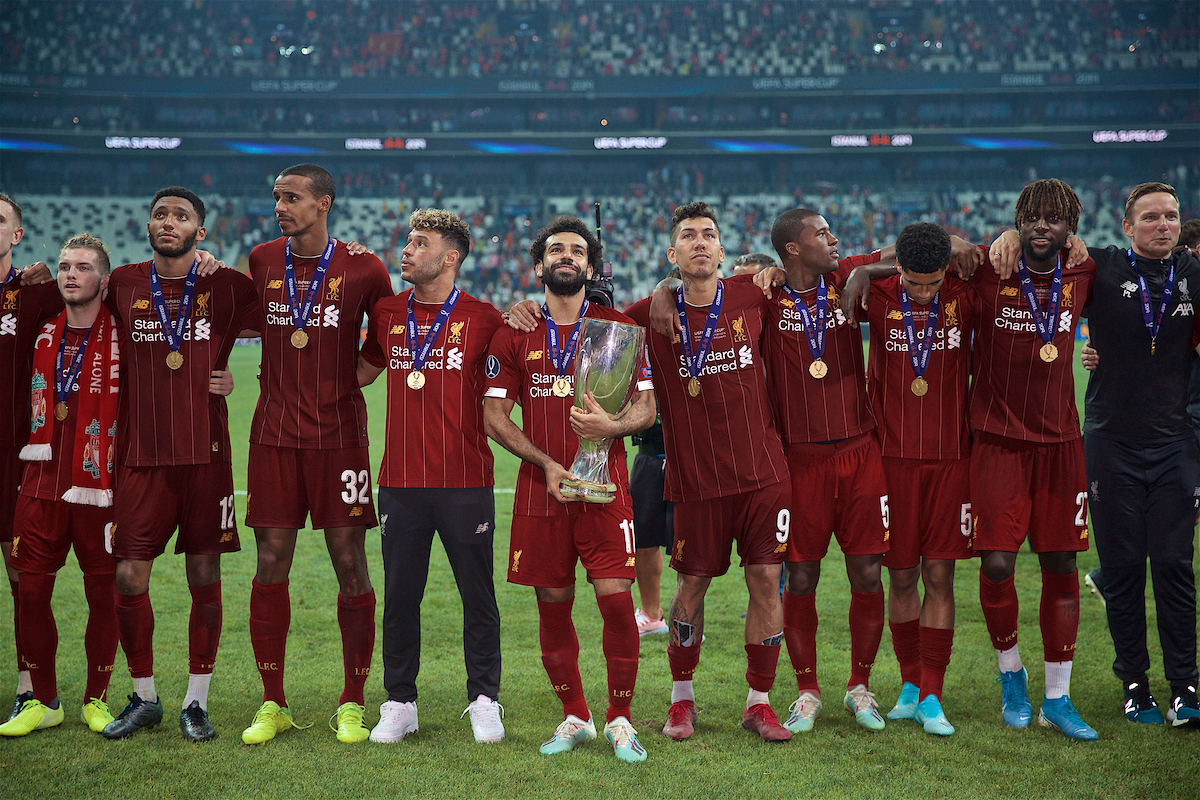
(1028, 489)
(930, 504)
(286, 484)
(838, 489)
(760, 520)
(12, 471)
(150, 502)
(542, 551)
(47, 529)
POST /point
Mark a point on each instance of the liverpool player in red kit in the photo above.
(22, 311)
(437, 469)
(308, 439)
(173, 467)
(66, 491)
(918, 368)
(726, 470)
(549, 534)
(815, 377)
(1027, 462)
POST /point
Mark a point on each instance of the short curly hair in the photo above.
(923, 247)
(454, 230)
(537, 250)
(691, 211)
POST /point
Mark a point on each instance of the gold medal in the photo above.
(561, 387)
(818, 369)
(1048, 352)
(300, 340)
(60, 411)
(694, 387)
(175, 359)
(415, 379)
(920, 387)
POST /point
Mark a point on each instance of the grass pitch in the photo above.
(983, 758)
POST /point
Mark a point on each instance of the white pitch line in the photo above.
(375, 490)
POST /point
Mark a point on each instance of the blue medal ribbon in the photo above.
(419, 356)
(561, 359)
(1046, 322)
(814, 325)
(695, 361)
(919, 351)
(300, 314)
(1153, 323)
(64, 380)
(173, 331)
(12, 274)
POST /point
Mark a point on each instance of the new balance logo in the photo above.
(454, 359)
(396, 330)
(141, 304)
(275, 284)
(482, 529)
(1128, 288)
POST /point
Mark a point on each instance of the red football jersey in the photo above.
(836, 406)
(519, 369)
(1015, 393)
(23, 309)
(309, 397)
(435, 437)
(933, 426)
(168, 416)
(48, 480)
(723, 441)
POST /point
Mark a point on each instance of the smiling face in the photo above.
(697, 248)
(1043, 234)
(81, 276)
(1152, 224)
(564, 267)
(174, 226)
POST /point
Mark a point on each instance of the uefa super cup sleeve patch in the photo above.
(493, 366)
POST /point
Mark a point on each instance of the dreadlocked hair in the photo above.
(1050, 195)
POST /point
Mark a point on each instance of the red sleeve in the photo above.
(507, 368)
(847, 265)
(372, 349)
(381, 286)
(252, 313)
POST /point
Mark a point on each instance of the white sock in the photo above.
(681, 690)
(1058, 679)
(754, 698)
(144, 688)
(197, 690)
(1010, 659)
(24, 682)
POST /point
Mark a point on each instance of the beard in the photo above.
(562, 285)
(178, 249)
(1030, 253)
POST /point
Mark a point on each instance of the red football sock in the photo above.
(41, 634)
(906, 642)
(800, 633)
(13, 586)
(270, 618)
(761, 661)
(135, 623)
(1000, 607)
(1058, 614)
(935, 657)
(204, 628)
(621, 646)
(560, 655)
(100, 636)
(356, 618)
(866, 631)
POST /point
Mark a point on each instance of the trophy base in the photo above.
(589, 492)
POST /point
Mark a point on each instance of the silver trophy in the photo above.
(607, 362)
